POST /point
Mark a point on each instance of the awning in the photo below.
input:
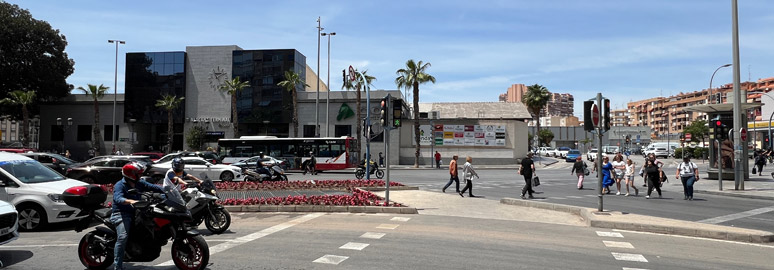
(724, 107)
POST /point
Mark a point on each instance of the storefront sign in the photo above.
(209, 119)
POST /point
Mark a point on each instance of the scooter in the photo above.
(200, 200)
(275, 173)
(360, 171)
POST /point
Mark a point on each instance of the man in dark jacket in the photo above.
(527, 169)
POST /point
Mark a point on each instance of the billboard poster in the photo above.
(448, 127)
(478, 128)
(459, 128)
(469, 128)
(500, 128)
(469, 134)
(499, 142)
(470, 141)
(499, 135)
(438, 128)
(459, 135)
(459, 141)
(489, 128)
(489, 135)
(439, 140)
(425, 135)
(478, 135)
(463, 135)
(448, 141)
(448, 135)
(479, 142)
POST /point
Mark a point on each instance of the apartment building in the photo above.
(514, 93)
(11, 131)
(619, 118)
(558, 104)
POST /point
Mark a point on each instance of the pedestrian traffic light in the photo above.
(383, 116)
(718, 98)
(397, 112)
(606, 114)
(588, 122)
(344, 76)
(365, 127)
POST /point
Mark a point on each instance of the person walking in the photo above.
(91, 153)
(619, 167)
(658, 163)
(453, 175)
(437, 160)
(527, 169)
(629, 176)
(381, 159)
(760, 161)
(579, 168)
(607, 178)
(653, 176)
(688, 173)
(468, 172)
(67, 153)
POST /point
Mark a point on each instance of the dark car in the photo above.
(54, 161)
(103, 169)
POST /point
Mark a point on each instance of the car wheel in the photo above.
(88, 179)
(226, 177)
(32, 217)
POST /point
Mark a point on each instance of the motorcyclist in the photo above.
(122, 205)
(259, 166)
(371, 162)
(311, 164)
(177, 173)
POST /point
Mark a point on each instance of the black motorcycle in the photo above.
(309, 167)
(273, 173)
(158, 219)
(360, 171)
(200, 200)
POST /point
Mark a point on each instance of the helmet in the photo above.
(178, 165)
(133, 171)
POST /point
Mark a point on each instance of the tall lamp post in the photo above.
(317, 100)
(713, 76)
(328, 83)
(115, 93)
(64, 126)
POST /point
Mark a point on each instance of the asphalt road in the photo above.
(380, 241)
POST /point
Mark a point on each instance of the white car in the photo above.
(591, 155)
(9, 223)
(202, 169)
(545, 151)
(35, 190)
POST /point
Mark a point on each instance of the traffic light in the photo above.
(628, 139)
(588, 122)
(365, 127)
(718, 98)
(606, 114)
(383, 116)
(397, 112)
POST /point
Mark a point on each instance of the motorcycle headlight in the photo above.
(55, 197)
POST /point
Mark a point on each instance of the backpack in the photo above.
(683, 168)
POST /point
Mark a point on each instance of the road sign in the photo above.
(743, 134)
(595, 115)
(687, 136)
(351, 73)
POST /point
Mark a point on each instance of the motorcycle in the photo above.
(360, 171)
(276, 173)
(200, 200)
(309, 167)
(158, 219)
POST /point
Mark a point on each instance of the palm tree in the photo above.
(233, 87)
(535, 99)
(291, 83)
(348, 85)
(96, 92)
(22, 98)
(169, 103)
(411, 77)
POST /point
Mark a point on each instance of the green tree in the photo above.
(232, 88)
(169, 103)
(291, 84)
(545, 136)
(32, 57)
(698, 130)
(535, 99)
(412, 76)
(23, 98)
(96, 92)
(350, 85)
(195, 138)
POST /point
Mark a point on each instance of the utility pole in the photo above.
(739, 171)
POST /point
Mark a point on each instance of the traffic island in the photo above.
(641, 223)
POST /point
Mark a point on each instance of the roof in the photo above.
(478, 110)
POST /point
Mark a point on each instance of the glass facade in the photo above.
(264, 100)
(149, 76)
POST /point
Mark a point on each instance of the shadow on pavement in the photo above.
(11, 257)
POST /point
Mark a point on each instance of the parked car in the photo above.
(103, 169)
(9, 223)
(54, 161)
(591, 155)
(562, 152)
(200, 168)
(545, 151)
(209, 156)
(152, 155)
(661, 152)
(572, 155)
(16, 150)
(35, 191)
(252, 163)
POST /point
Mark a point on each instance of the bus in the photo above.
(331, 153)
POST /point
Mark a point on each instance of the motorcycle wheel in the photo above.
(220, 225)
(359, 174)
(92, 254)
(191, 253)
(379, 174)
(284, 178)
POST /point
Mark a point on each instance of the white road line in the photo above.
(591, 195)
(629, 257)
(256, 235)
(699, 238)
(627, 268)
(739, 215)
(574, 197)
(331, 259)
(403, 219)
(354, 246)
(614, 244)
(372, 235)
(387, 226)
(609, 234)
(34, 246)
(557, 198)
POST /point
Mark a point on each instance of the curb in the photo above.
(729, 194)
(321, 208)
(590, 216)
(395, 188)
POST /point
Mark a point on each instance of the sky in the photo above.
(627, 50)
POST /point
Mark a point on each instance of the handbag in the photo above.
(586, 171)
(535, 181)
(754, 171)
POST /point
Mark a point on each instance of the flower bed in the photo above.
(310, 184)
(358, 198)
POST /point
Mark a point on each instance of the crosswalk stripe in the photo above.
(610, 234)
(614, 244)
(629, 257)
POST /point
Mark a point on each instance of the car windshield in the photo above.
(63, 159)
(574, 152)
(593, 151)
(30, 171)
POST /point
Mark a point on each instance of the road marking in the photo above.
(403, 219)
(34, 246)
(557, 198)
(627, 268)
(739, 215)
(629, 257)
(574, 197)
(614, 244)
(609, 234)
(256, 235)
(591, 195)
(698, 238)
(372, 235)
(353, 245)
(331, 259)
(387, 226)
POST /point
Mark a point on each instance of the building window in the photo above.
(56, 133)
(343, 130)
(309, 131)
(84, 133)
(109, 133)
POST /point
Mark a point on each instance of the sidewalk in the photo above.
(539, 161)
(757, 187)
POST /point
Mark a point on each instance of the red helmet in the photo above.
(133, 170)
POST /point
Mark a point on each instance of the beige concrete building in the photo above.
(514, 93)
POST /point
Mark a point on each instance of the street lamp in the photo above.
(115, 92)
(713, 76)
(64, 127)
(328, 83)
(317, 100)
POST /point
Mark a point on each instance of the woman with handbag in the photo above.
(580, 170)
(653, 173)
(607, 178)
(468, 173)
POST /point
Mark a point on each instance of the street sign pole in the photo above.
(598, 126)
(387, 149)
